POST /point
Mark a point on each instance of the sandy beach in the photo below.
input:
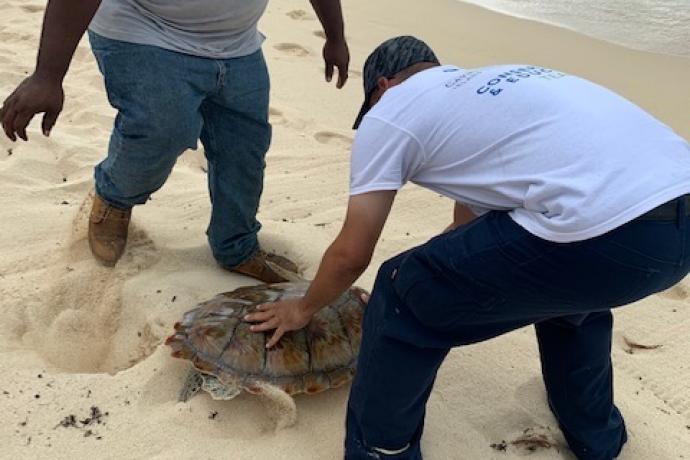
(81, 340)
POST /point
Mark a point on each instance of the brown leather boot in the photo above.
(269, 268)
(107, 231)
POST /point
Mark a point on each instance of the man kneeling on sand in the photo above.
(176, 71)
(569, 201)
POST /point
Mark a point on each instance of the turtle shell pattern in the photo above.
(217, 341)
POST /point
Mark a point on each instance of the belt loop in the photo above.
(682, 227)
(680, 206)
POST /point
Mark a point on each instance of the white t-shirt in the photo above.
(219, 29)
(569, 159)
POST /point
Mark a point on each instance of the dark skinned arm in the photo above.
(349, 255)
(335, 51)
(64, 24)
(461, 216)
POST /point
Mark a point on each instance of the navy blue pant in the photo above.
(488, 278)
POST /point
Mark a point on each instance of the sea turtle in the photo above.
(228, 358)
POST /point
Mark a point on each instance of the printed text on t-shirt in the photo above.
(500, 82)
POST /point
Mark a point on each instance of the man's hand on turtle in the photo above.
(284, 316)
(34, 95)
(336, 54)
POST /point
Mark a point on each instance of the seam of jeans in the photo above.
(363, 365)
(503, 242)
(683, 229)
(646, 256)
(628, 266)
(220, 83)
(210, 130)
(115, 147)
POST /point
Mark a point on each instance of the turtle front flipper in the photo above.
(218, 390)
(191, 386)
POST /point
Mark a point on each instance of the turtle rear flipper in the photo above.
(280, 405)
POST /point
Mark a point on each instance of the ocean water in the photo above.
(659, 26)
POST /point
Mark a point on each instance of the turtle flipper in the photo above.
(218, 390)
(191, 386)
(280, 405)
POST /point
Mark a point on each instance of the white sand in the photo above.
(74, 334)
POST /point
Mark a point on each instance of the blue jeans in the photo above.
(166, 102)
(488, 278)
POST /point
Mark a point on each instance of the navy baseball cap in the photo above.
(389, 58)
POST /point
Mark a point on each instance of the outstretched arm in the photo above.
(335, 51)
(64, 24)
(344, 261)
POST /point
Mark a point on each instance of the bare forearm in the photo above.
(330, 14)
(461, 216)
(64, 24)
(336, 273)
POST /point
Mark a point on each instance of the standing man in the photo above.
(176, 71)
(583, 206)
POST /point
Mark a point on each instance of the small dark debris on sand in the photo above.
(69, 421)
(64, 202)
(10, 152)
(500, 446)
(95, 417)
(532, 440)
(632, 346)
(213, 415)
(174, 298)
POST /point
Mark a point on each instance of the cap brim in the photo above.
(363, 111)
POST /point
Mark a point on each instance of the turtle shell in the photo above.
(217, 341)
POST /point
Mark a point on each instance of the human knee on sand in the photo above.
(563, 191)
(176, 74)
